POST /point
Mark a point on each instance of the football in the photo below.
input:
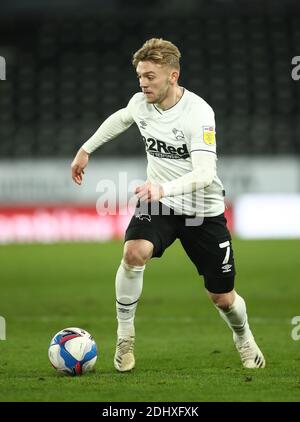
(73, 351)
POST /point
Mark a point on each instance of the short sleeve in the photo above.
(202, 128)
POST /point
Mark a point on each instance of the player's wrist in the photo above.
(84, 150)
(165, 189)
(161, 191)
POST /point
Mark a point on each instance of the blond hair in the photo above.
(159, 51)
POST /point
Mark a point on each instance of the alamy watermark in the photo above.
(2, 69)
(2, 328)
(119, 199)
(296, 70)
(295, 333)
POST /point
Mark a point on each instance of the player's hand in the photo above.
(149, 192)
(78, 165)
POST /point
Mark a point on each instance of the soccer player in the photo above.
(183, 197)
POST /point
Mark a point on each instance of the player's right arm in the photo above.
(115, 124)
(78, 165)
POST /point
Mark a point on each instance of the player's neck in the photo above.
(171, 99)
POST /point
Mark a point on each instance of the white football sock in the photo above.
(236, 318)
(129, 285)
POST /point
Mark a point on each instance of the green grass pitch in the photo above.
(184, 351)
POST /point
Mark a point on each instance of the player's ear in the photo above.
(174, 76)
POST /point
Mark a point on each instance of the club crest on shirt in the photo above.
(179, 135)
(142, 217)
(209, 136)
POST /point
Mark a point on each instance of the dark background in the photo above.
(69, 67)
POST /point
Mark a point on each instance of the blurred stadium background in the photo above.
(68, 67)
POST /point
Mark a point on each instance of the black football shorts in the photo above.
(207, 241)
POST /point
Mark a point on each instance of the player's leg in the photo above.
(148, 235)
(232, 309)
(209, 247)
(129, 284)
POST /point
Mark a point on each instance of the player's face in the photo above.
(156, 81)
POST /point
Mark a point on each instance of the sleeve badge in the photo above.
(209, 136)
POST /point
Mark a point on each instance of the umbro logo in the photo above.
(178, 134)
(226, 268)
(143, 124)
(123, 310)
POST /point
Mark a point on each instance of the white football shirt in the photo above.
(170, 137)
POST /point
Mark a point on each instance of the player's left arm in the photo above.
(201, 133)
(202, 175)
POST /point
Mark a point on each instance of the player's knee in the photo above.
(137, 252)
(222, 300)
